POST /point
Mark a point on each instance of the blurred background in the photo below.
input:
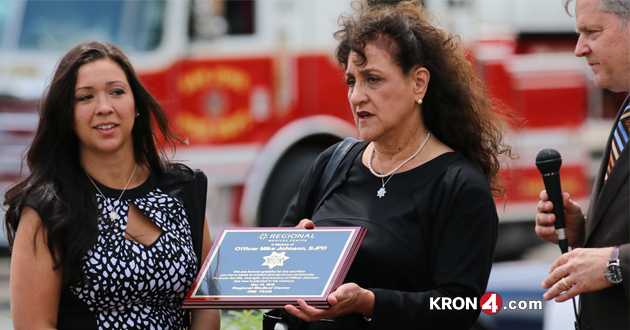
(255, 88)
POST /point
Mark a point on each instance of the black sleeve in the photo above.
(624, 260)
(463, 239)
(195, 204)
(303, 205)
(190, 187)
(34, 201)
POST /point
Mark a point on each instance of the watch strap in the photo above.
(614, 255)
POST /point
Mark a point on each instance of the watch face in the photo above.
(613, 273)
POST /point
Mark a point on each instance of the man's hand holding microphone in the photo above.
(581, 269)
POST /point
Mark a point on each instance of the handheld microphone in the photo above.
(548, 162)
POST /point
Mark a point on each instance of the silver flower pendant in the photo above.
(113, 215)
(381, 192)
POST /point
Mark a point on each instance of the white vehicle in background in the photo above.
(255, 88)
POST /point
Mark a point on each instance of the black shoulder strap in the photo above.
(337, 156)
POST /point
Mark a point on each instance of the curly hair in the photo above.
(455, 108)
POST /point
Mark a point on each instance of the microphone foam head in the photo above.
(548, 161)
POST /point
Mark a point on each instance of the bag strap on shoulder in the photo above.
(274, 316)
(338, 155)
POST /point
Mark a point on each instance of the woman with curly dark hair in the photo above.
(422, 181)
(106, 233)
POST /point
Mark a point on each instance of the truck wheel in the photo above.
(283, 184)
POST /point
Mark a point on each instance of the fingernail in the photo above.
(549, 217)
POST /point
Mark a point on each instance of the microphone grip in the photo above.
(564, 244)
(552, 185)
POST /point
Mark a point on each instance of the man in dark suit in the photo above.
(597, 268)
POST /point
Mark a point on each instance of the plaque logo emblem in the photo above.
(262, 236)
(275, 259)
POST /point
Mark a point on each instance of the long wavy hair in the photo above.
(456, 108)
(67, 203)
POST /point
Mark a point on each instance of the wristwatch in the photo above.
(613, 270)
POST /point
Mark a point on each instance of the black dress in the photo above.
(131, 285)
(433, 234)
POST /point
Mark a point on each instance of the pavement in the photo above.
(5, 310)
(545, 252)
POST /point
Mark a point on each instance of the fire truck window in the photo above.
(7, 10)
(57, 25)
(240, 16)
(213, 18)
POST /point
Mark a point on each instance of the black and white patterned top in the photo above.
(130, 285)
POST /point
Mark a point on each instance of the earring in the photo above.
(137, 114)
(419, 101)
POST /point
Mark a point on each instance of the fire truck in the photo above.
(252, 85)
(254, 88)
(524, 51)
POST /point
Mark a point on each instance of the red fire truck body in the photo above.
(254, 87)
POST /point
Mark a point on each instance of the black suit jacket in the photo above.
(607, 224)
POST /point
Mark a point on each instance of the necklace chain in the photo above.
(381, 169)
(381, 192)
(369, 162)
(113, 214)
